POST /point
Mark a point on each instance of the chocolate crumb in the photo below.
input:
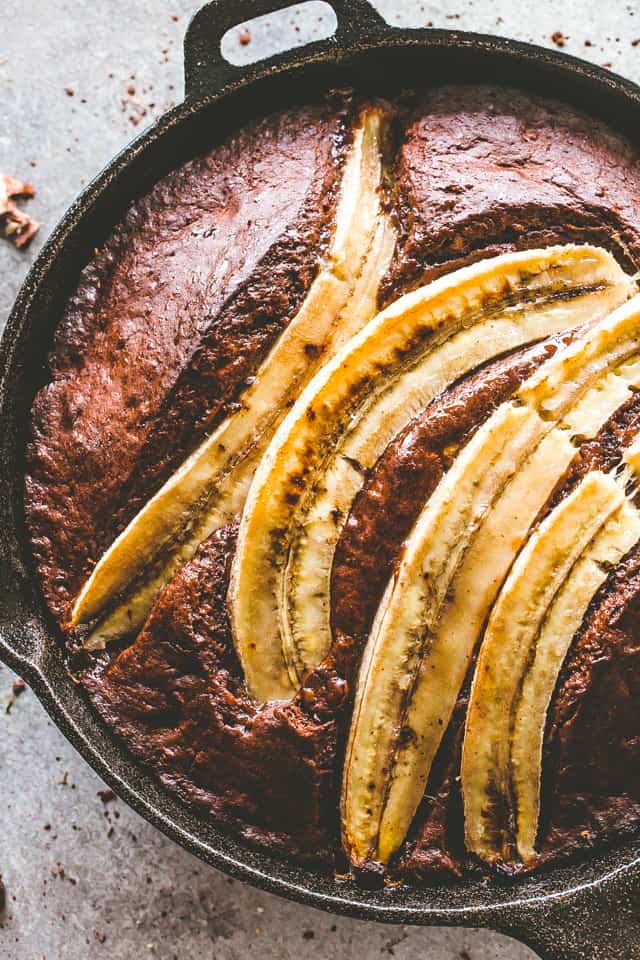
(558, 38)
(19, 686)
(107, 795)
(308, 935)
(70, 92)
(245, 38)
(46, 826)
(636, 42)
(17, 225)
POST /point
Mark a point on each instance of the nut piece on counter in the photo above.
(17, 225)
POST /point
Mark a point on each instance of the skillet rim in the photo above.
(495, 905)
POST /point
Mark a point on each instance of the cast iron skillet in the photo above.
(590, 909)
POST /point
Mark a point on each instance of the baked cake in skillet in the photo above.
(332, 489)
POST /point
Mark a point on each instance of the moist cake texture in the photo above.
(175, 318)
(168, 322)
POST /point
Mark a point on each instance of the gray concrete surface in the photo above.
(85, 878)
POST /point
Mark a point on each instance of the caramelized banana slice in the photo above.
(631, 458)
(209, 488)
(617, 536)
(557, 385)
(312, 471)
(410, 674)
(509, 643)
(460, 548)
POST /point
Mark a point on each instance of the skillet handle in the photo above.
(23, 639)
(206, 70)
(592, 923)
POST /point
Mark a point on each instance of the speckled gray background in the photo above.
(86, 878)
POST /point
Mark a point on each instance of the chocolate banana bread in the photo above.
(222, 422)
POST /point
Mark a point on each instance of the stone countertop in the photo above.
(85, 875)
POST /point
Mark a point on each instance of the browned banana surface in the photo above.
(591, 770)
(618, 536)
(404, 478)
(208, 489)
(177, 696)
(356, 404)
(436, 599)
(540, 605)
(483, 170)
(171, 316)
(474, 527)
(575, 814)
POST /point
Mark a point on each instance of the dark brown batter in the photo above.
(484, 170)
(183, 666)
(169, 321)
(176, 693)
(591, 771)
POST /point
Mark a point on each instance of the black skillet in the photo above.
(589, 909)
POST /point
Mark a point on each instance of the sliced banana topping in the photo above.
(560, 383)
(529, 630)
(460, 549)
(562, 621)
(209, 488)
(317, 462)
(411, 672)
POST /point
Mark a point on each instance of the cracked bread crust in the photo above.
(169, 320)
(486, 170)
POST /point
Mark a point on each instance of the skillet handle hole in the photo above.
(272, 33)
(227, 40)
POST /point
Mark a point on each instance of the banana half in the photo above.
(453, 564)
(305, 485)
(209, 488)
(536, 616)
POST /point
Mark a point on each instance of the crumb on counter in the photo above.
(17, 225)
